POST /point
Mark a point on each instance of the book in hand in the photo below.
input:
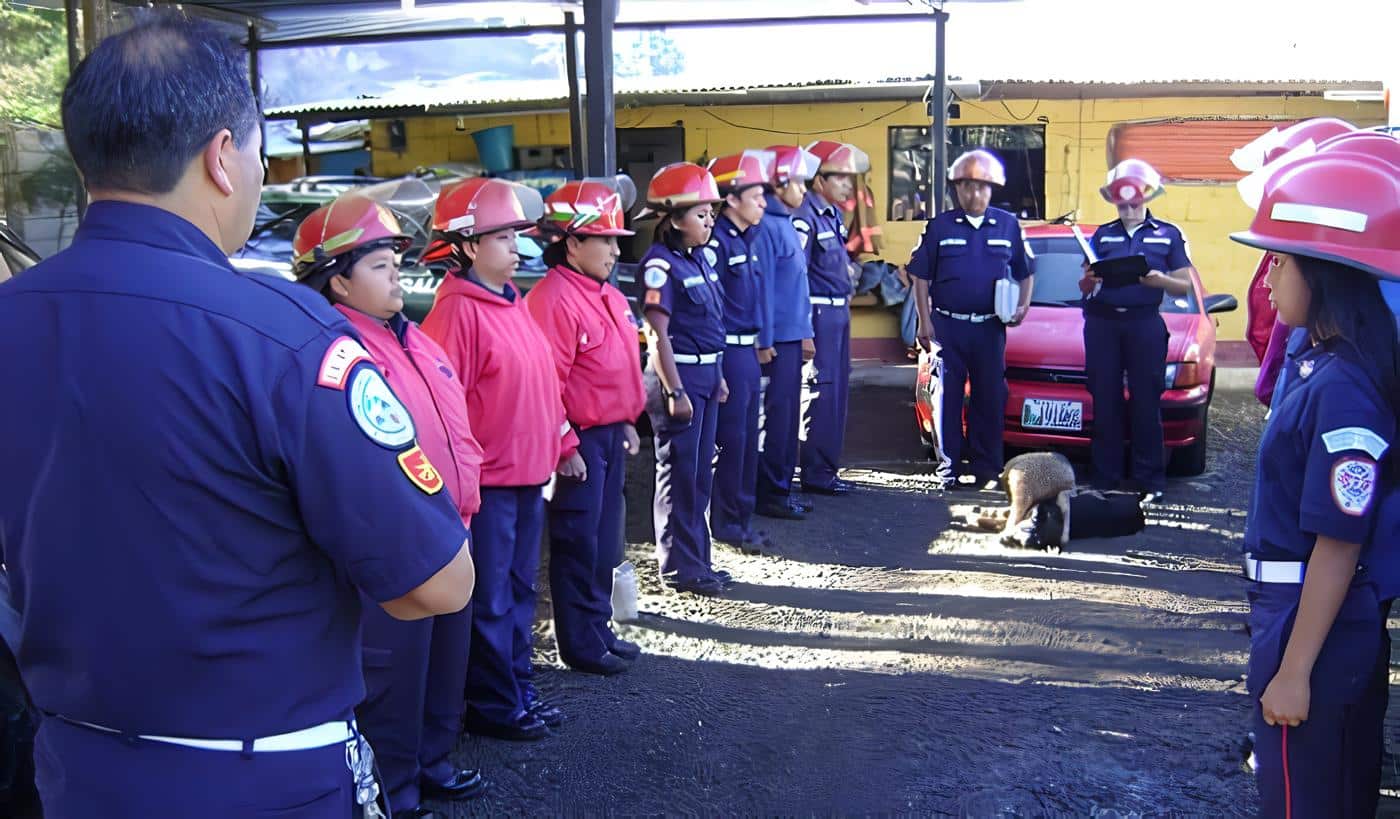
(1121, 271)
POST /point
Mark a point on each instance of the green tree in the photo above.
(33, 63)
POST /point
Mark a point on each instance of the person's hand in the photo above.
(1019, 316)
(631, 444)
(722, 394)
(1286, 699)
(1089, 283)
(809, 349)
(924, 338)
(766, 354)
(1157, 279)
(573, 468)
(679, 407)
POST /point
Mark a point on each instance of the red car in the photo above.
(1049, 404)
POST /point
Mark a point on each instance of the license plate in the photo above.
(1041, 413)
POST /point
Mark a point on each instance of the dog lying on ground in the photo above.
(1033, 478)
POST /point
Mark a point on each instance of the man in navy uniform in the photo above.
(204, 466)
(956, 264)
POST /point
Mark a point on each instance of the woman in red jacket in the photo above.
(414, 671)
(590, 329)
(513, 397)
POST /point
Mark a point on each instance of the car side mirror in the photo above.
(1221, 303)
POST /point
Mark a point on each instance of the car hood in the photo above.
(1053, 338)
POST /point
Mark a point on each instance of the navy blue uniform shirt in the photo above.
(681, 284)
(783, 266)
(1320, 456)
(962, 263)
(1160, 241)
(731, 256)
(201, 466)
(822, 232)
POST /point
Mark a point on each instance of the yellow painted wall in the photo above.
(1075, 160)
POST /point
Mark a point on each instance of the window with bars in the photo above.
(1021, 149)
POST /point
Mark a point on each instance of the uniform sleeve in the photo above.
(925, 257)
(761, 256)
(368, 495)
(1349, 439)
(1020, 255)
(465, 447)
(454, 330)
(1177, 257)
(660, 292)
(560, 328)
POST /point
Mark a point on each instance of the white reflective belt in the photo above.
(829, 301)
(975, 318)
(319, 736)
(740, 340)
(1274, 571)
(703, 358)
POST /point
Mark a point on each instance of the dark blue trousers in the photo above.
(736, 445)
(82, 773)
(506, 549)
(973, 354)
(825, 395)
(415, 674)
(685, 457)
(1330, 764)
(778, 422)
(1137, 347)
(585, 545)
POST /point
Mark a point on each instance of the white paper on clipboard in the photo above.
(1083, 244)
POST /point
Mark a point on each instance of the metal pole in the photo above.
(255, 77)
(305, 127)
(598, 18)
(577, 137)
(939, 134)
(72, 24)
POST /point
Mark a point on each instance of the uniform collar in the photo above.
(463, 282)
(365, 323)
(776, 205)
(110, 220)
(582, 281)
(987, 217)
(1148, 221)
(820, 205)
(724, 223)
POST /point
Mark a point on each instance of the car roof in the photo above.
(1046, 229)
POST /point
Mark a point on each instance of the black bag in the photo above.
(1091, 514)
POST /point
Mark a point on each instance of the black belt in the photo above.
(1114, 311)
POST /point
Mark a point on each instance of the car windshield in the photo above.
(1059, 267)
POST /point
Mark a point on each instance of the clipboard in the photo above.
(1120, 271)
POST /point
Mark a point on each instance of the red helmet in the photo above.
(340, 226)
(1272, 145)
(792, 162)
(839, 157)
(590, 207)
(735, 172)
(1344, 207)
(680, 185)
(1367, 143)
(1132, 182)
(979, 165)
(477, 206)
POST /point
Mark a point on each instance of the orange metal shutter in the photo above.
(1187, 150)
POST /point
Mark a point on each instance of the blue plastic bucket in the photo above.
(495, 145)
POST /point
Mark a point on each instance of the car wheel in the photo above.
(1191, 460)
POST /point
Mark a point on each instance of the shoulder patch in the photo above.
(1341, 440)
(1353, 484)
(377, 411)
(415, 464)
(655, 275)
(711, 256)
(341, 357)
(801, 224)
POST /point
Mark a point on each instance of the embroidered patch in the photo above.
(1156, 241)
(655, 276)
(693, 281)
(1113, 238)
(342, 356)
(740, 259)
(377, 411)
(1340, 440)
(998, 243)
(945, 242)
(415, 464)
(826, 234)
(1353, 484)
(710, 256)
(653, 297)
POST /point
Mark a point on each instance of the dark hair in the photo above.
(342, 265)
(556, 253)
(667, 233)
(146, 101)
(1346, 305)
